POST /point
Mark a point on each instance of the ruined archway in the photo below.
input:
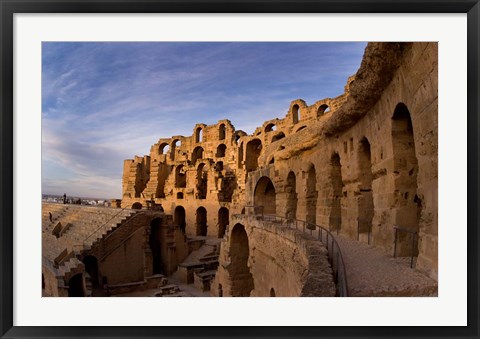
(221, 149)
(254, 148)
(137, 206)
(221, 132)
(201, 221)
(311, 196)
(180, 177)
(322, 110)
(197, 154)
(408, 205)
(175, 143)
(264, 196)
(163, 148)
(291, 191)
(296, 113)
(155, 245)
(76, 286)
(179, 218)
(223, 220)
(202, 180)
(91, 267)
(198, 134)
(270, 127)
(335, 219)
(278, 136)
(365, 200)
(242, 280)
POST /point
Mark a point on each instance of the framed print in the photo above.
(259, 169)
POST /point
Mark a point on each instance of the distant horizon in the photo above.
(104, 102)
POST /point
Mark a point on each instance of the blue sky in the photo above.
(106, 102)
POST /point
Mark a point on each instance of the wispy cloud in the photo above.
(106, 102)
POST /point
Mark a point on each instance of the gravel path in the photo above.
(372, 273)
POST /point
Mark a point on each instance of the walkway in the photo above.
(372, 273)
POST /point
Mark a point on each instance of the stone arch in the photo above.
(254, 148)
(76, 286)
(199, 134)
(311, 195)
(221, 132)
(201, 217)
(365, 200)
(91, 267)
(163, 148)
(270, 127)
(180, 177)
(223, 221)
(179, 218)
(202, 180)
(137, 206)
(296, 113)
(242, 280)
(322, 109)
(264, 196)
(278, 136)
(197, 154)
(335, 218)
(155, 240)
(408, 205)
(175, 143)
(221, 149)
(291, 191)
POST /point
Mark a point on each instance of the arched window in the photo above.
(180, 177)
(296, 113)
(175, 144)
(221, 151)
(254, 148)
(264, 196)
(197, 154)
(198, 134)
(223, 220)
(322, 110)
(221, 132)
(270, 127)
(163, 148)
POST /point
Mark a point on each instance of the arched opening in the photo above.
(272, 292)
(198, 134)
(278, 136)
(179, 218)
(163, 148)
(270, 128)
(137, 206)
(180, 177)
(296, 113)
(264, 196)
(155, 245)
(76, 286)
(300, 128)
(322, 110)
(365, 200)
(242, 280)
(408, 205)
(291, 190)
(223, 220)
(202, 179)
(221, 132)
(221, 151)
(91, 267)
(311, 196)
(201, 221)
(254, 148)
(175, 144)
(197, 154)
(335, 219)
(240, 155)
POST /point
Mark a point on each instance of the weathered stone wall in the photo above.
(281, 260)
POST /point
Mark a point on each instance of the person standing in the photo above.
(64, 198)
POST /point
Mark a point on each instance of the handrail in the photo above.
(106, 222)
(335, 257)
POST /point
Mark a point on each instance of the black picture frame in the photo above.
(9, 7)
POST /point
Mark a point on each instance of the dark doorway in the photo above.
(201, 221)
(155, 245)
(242, 281)
(179, 218)
(223, 220)
(76, 286)
(265, 196)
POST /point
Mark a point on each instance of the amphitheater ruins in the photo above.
(336, 198)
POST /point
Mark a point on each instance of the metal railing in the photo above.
(413, 234)
(320, 233)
